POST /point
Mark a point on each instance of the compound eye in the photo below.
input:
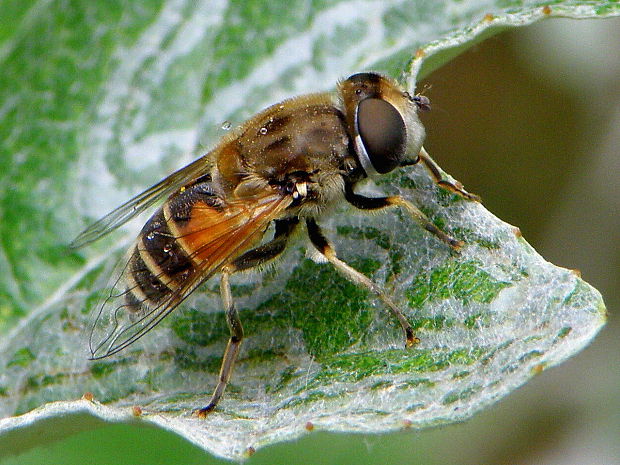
(383, 133)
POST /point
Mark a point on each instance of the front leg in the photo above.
(437, 173)
(377, 203)
(324, 247)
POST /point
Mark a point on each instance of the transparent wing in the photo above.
(141, 202)
(139, 299)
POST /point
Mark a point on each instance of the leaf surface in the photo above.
(100, 100)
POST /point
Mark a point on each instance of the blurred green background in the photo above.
(529, 120)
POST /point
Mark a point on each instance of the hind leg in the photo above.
(250, 259)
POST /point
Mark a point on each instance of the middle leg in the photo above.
(324, 247)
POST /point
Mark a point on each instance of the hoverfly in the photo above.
(287, 165)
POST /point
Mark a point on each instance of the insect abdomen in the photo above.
(159, 264)
(144, 287)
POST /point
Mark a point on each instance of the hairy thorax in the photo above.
(301, 149)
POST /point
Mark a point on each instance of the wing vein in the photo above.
(220, 251)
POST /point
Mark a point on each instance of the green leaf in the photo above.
(100, 99)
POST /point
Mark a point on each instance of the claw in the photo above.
(203, 412)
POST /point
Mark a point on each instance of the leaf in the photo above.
(99, 100)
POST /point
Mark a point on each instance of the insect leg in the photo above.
(232, 348)
(250, 259)
(269, 250)
(377, 203)
(321, 243)
(436, 171)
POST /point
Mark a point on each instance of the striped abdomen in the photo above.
(161, 266)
